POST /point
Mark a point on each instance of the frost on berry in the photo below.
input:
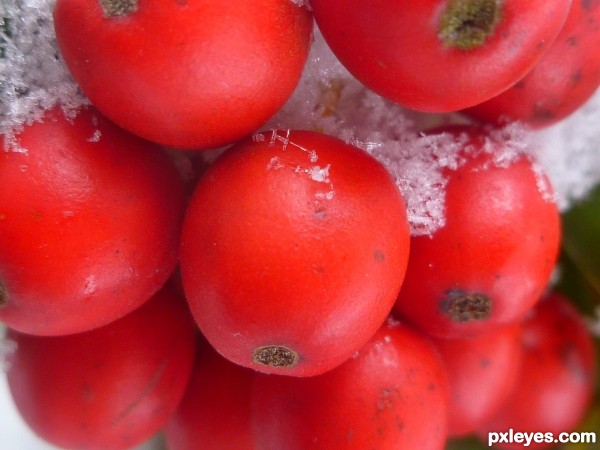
(34, 79)
(116, 8)
(275, 356)
(462, 306)
(33, 75)
(466, 24)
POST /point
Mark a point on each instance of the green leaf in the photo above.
(581, 237)
(469, 443)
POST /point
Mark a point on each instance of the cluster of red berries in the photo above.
(324, 323)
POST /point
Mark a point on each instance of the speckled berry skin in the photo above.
(556, 381)
(562, 81)
(90, 219)
(113, 387)
(408, 51)
(393, 394)
(215, 410)
(293, 251)
(192, 74)
(492, 260)
(481, 373)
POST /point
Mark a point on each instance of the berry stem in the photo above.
(116, 8)
(466, 24)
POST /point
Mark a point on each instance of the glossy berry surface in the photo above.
(492, 260)
(556, 379)
(215, 411)
(112, 387)
(293, 251)
(561, 82)
(481, 373)
(188, 74)
(392, 394)
(90, 218)
(439, 56)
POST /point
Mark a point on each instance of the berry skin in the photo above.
(113, 387)
(293, 251)
(191, 74)
(439, 56)
(90, 223)
(492, 260)
(562, 81)
(481, 372)
(215, 410)
(556, 380)
(392, 395)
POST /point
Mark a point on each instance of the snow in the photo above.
(33, 78)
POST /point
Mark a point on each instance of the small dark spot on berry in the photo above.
(543, 113)
(484, 362)
(275, 356)
(461, 306)
(586, 4)
(3, 296)
(576, 77)
(431, 387)
(317, 268)
(572, 41)
(87, 393)
(320, 213)
(570, 358)
(379, 256)
(519, 84)
(350, 436)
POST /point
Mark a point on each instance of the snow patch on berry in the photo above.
(33, 76)
(315, 172)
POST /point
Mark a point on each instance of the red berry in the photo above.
(563, 80)
(112, 387)
(556, 380)
(90, 218)
(492, 260)
(215, 411)
(440, 56)
(482, 371)
(293, 251)
(190, 74)
(392, 395)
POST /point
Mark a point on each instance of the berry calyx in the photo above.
(462, 306)
(116, 8)
(275, 356)
(466, 24)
